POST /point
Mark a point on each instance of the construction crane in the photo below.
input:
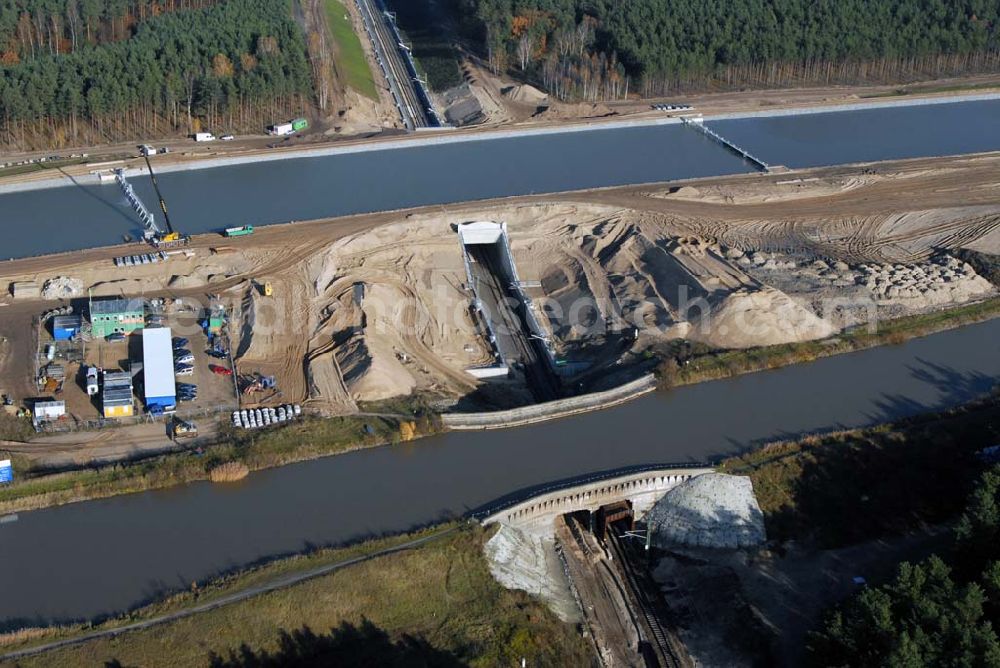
(171, 236)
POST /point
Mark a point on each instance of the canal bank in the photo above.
(102, 557)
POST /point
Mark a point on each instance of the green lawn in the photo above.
(351, 61)
(438, 601)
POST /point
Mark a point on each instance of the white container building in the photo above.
(159, 385)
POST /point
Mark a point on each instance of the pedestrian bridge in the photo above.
(642, 488)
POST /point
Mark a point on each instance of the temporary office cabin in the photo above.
(116, 399)
(112, 316)
(65, 327)
(49, 410)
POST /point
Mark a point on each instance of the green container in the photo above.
(300, 124)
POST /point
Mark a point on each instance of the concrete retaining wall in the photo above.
(550, 410)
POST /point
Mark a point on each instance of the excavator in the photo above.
(171, 237)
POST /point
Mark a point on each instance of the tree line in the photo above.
(944, 611)
(239, 63)
(32, 27)
(587, 48)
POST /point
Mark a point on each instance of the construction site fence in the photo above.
(550, 410)
(67, 425)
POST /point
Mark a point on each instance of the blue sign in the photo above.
(6, 471)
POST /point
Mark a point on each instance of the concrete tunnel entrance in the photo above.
(492, 276)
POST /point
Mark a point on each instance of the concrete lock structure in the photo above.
(116, 316)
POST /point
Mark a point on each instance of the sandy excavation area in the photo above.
(374, 307)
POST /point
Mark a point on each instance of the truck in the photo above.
(241, 231)
(204, 136)
(282, 129)
(92, 381)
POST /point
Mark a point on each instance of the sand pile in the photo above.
(760, 192)
(529, 563)
(371, 372)
(710, 510)
(62, 287)
(759, 317)
(179, 282)
(525, 93)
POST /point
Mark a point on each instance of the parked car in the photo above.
(184, 371)
(179, 342)
(220, 370)
(185, 359)
(115, 337)
(227, 137)
(216, 353)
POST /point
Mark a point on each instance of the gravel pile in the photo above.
(942, 280)
(62, 287)
(710, 510)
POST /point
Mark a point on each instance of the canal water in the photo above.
(862, 135)
(276, 191)
(103, 557)
(83, 216)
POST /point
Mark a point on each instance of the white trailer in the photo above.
(204, 136)
(49, 410)
(282, 129)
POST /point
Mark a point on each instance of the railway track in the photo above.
(668, 653)
(394, 66)
(541, 379)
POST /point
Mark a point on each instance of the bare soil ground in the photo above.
(730, 262)
(747, 609)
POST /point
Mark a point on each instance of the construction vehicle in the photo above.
(268, 290)
(182, 428)
(239, 231)
(170, 237)
(92, 387)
